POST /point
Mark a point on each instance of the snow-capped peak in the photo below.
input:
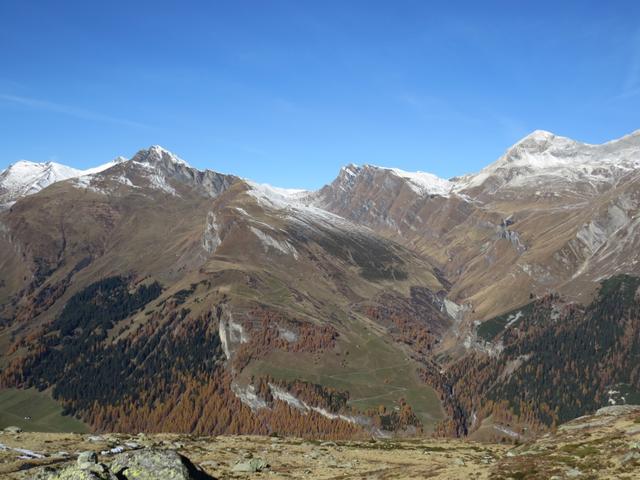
(539, 141)
(26, 178)
(553, 162)
(156, 152)
(538, 136)
(274, 196)
(423, 183)
(299, 203)
(105, 166)
(26, 167)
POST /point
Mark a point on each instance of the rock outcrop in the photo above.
(147, 464)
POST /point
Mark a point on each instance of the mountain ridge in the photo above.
(411, 207)
(355, 307)
(425, 183)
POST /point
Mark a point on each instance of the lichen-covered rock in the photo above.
(251, 466)
(156, 464)
(139, 465)
(86, 468)
(87, 460)
(630, 457)
(617, 410)
(76, 473)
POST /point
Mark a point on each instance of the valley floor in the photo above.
(605, 445)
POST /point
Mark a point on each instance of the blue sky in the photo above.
(286, 92)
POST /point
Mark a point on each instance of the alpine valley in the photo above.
(146, 295)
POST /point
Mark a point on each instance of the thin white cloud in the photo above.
(631, 86)
(627, 94)
(69, 110)
(434, 108)
(240, 146)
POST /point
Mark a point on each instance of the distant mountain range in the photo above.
(149, 295)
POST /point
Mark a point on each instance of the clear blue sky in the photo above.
(286, 92)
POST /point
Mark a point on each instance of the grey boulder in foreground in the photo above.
(148, 464)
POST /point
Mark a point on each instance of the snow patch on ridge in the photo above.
(155, 177)
(106, 166)
(297, 203)
(424, 183)
(84, 182)
(123, 180)
(87, 182)
(298, 206)
(25, 178)
(350, 170)
(268, 241)
(274, 197)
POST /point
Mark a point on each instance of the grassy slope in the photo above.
(373, 371)
(365, 362)
(46, 414)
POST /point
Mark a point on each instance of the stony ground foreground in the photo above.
(605, 445)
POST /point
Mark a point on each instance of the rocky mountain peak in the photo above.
(538, 136)
(541, 142)
(421, 183)
(537, 158)
(157, 155)
(350, 170)
(347, 177)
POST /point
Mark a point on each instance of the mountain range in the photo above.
(148, 295)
